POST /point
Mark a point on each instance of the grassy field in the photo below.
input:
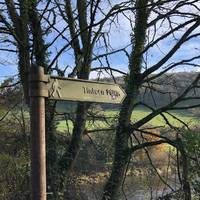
(138, 114)
(159, 120)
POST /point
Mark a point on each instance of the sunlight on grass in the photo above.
(62, 126)
(136, 116)
(160, 121)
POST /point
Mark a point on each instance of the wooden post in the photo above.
(37, 93)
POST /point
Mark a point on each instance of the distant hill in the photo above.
(168, 87)
(165, 88)
(157, 93)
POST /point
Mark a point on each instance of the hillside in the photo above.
(156, 93)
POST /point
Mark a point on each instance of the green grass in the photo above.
(138, 114)
(160, 121)
(90, 125)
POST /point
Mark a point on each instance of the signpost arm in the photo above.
(38, 92)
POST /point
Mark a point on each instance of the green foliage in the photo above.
(14, 177)
(104, 142)
(14, 145)
(14, 162)
(191, 141)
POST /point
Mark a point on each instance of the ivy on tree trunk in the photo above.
(121, 157)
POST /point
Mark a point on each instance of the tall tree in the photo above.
(83, 34)
(132, 91)
(139, 76)
(19, 31)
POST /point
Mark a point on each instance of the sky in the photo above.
(119, 37)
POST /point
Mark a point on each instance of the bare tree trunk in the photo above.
(119, 166)
(20, 23)
(24, 50)
(39, 50)
(83, 62)
(72, 150)
(133, 83)
(185, 181)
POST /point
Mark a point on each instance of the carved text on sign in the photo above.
(101, 92)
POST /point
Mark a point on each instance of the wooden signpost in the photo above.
(42, 86)
(83, 90)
